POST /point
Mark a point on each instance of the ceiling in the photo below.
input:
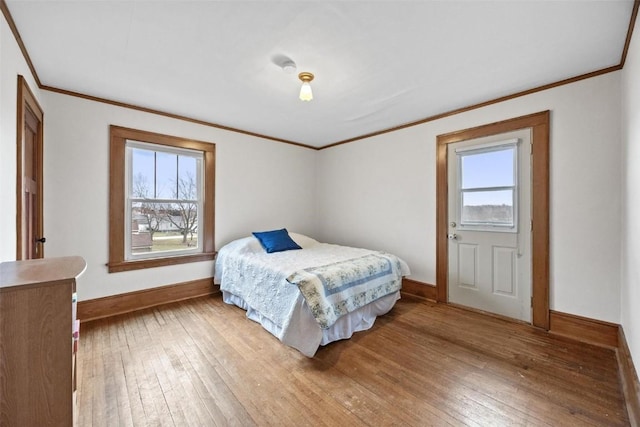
(378, 64)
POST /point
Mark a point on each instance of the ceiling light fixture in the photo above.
(305, 91)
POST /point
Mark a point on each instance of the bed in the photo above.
(311, 294)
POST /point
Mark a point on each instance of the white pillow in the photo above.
(252, 245)
(302, 240)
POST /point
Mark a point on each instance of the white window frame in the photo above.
(200, 183)
(487, 148)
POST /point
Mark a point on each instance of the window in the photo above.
(488, 179)
(161, 200)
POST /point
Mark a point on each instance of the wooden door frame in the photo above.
(26, 100)
(539, 124)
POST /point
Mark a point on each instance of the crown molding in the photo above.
(632, 24)
(170, 115)
(16, 34)
(479, 105)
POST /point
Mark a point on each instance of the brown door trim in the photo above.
(26, 100)
(539, 123)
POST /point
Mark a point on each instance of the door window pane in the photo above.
(488, 169)
(487, 178)
(488, 207)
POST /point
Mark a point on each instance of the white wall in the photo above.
(381, 192)
(259, 185)
(630, 292)
(12, 63)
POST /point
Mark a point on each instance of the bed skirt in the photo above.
(303, 332)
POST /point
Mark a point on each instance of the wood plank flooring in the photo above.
(202, 363)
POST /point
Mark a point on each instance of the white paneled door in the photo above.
(489, 234)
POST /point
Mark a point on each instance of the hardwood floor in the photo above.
(202, 363)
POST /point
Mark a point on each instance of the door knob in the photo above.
(41, 240)
(452, 236)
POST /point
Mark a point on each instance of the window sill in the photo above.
(118, 266)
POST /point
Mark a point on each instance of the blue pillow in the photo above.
(276, 240)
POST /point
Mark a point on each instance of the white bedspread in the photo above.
(256, 281)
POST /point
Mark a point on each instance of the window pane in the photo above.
(157, 227)
(166, 175)
(488, 169)
(187, 167)
(187, 178)
(142, 173)
(183, 217)
(487, 207)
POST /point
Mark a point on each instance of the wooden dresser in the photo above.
(37, 365)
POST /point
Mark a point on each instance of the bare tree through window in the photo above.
(184, 214)
(152, 213)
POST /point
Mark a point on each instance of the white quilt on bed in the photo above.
(259, 279)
